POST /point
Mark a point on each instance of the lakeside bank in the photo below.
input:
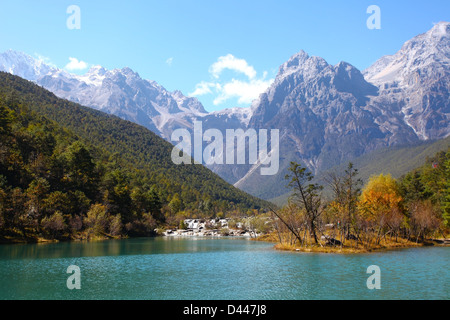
(352, 248)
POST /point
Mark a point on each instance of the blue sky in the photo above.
(221, 51)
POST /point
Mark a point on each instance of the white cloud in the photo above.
(231, 62)
(203, 88)
(169, 61)
(244, 90)
(75, 64)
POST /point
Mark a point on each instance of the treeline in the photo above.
(70, 172)
(383, 212)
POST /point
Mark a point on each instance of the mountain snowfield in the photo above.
(417, 79)
(121, 92)
(331, 114)
(23, 65)
(326, 114)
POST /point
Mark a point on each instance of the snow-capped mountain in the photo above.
(322, 114)
(416, 82)
(23, 65)
(121, 92)
(330, 114)
(124, 93)
(326, 114)
(424, 52)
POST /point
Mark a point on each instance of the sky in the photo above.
(225, 53)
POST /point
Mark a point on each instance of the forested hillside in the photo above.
(68, 171)
(430, 183)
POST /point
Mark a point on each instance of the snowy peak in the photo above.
(119, 91)
(94, 77)
(188, 104)
(23, 65)
(416, 82)
(243, 115)
(345, 67)
(97, 70)
(301, 63)
(311, 75)
(346, 72)
(440, 30)
(348, 79)
(424, 54)
(129, 73)
(294, 63)
(328, 113)
(310, 82)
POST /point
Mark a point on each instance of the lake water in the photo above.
(216, 269)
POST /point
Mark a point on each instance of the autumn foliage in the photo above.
(383, 213)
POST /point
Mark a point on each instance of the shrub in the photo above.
(54, 225)
(97, 220)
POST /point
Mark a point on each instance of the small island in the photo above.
(384, 214)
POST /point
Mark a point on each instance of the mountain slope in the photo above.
(396, 161)
(23, 65)
(122, 92)
(327, 115)
(125, 94)
(415, 82)
(321, 111)
(137, 148)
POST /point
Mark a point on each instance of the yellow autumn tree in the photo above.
(381, 205)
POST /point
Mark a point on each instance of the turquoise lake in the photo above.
(216, 269)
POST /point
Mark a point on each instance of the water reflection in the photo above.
(163, 245)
